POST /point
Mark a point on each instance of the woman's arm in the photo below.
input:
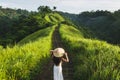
(51, 52)
(66, 59)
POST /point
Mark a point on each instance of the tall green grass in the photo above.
(26, 61)
(54, 18)
(92, 59)
(35, 36)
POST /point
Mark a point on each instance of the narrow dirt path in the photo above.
(67, 67)
(47, 73)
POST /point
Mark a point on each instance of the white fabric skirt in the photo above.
(57, 72)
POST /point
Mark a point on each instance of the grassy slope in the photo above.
(93, 59)
(44, 32)
(24, 62)
(36, 36)
(54, 18)
(26, 59)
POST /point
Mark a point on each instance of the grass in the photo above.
(26, 61)
(54, 18)
(93, 59)
(36, 36)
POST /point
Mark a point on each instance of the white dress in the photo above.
(57, 71)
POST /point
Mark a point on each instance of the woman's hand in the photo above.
(51, 52)
(65, 53)
(66, 59)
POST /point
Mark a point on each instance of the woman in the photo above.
(57, 56)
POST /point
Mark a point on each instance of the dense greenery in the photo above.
(26, 59)
(25, 62)
(8, 17)
(92, 59)
(54, 18)
(104, 24)
(17, 24)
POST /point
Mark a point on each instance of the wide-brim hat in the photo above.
(58, 52)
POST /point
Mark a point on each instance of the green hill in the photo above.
(26, 59)
(92, 59)
(36, 36)
(104, 25)
(54, 18)
(16, 24)
(11, 22)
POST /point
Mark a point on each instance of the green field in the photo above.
(92, 59)
(26, 61)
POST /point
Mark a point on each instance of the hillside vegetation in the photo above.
(25, 62)
(93, 59)
(54, 18)
(26, 59)
(104, 25)
(17, 24)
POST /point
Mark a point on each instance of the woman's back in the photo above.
(57, 60)
(57, 57)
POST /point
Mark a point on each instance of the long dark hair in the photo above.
(57, 60)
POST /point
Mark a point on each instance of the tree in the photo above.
(0, 7)
(54, 8)
(44, 9)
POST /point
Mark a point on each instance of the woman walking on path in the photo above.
(57, 56)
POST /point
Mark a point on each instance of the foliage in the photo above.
(35, 36)
(17, 24)
(92, 59)
(26, 61)
(54, 18)
(104, 25)
(44, 9)
(70, 19)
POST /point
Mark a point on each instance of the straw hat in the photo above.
(58, 52)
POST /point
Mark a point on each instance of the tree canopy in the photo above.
(17, 24)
